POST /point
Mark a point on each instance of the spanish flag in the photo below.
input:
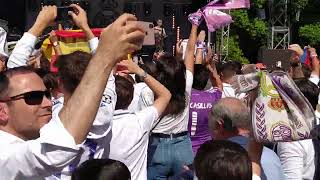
(69, 41)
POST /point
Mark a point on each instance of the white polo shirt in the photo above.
(39, 158)
(129, 139)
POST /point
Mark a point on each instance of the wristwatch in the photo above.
(144, 75)
(313, 54)
(55, 44)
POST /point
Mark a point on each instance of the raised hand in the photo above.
(79, 16)
(53, 37)
(121, 38)
(179, 49)
(130, 67)
(202, 36)
(46, 17)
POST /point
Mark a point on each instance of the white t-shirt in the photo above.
(314, 78)
(129, 139)
(228, 91)
(142, 97)
(297, 159)
(96, 143)
(179, 123)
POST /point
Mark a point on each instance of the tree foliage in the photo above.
(299, 4)
(259, 3)
(257, 28)
(235, 53)
(310, 34)
(249, 33)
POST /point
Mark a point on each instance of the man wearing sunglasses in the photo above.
(71, 68)
(32, 145)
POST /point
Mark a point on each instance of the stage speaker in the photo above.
(272, 57)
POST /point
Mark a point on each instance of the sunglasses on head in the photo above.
(31, 98)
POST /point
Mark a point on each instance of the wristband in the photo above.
(201, 45)
(144, 75)
(55, 44)
(312, 55)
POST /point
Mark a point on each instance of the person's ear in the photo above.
(4, 113)
(220, 124)
(221, 74)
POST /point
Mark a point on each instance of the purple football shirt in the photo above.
(200, 105)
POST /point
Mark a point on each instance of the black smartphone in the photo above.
(62, 13)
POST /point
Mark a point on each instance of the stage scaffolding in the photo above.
(279, 24)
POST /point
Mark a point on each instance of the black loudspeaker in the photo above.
(272, 57)
(105, 14)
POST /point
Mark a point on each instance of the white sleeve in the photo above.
(146, 98)
(255, 177)
(314, 78)
(102, 123)
(148, 117)
(22, 51)
(189, 82)
(50, 153)
(291, 156)
(93, 44)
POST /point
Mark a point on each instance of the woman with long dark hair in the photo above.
(169, 145)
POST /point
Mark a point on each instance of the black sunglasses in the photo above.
(31, 98)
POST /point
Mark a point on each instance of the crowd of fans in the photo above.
(104, 116)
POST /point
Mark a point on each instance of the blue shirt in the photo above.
(270, 162)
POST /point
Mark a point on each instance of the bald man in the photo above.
(230, 119)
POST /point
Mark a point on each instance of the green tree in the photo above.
(248, 34)
(258, 3)
(235, 53)
(299, 4)
(310, 34)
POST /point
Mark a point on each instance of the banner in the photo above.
(69, 41)
(230, 4)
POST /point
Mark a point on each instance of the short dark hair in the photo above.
(237, 66)
(306, 70)
(124, 90)
(44, 62)
(201, 77)
(71, 68)
(171, 72)
(309, 90)
(102, 169)
(221, 159)
(7, 74)
(227, 69)
(49, 79)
